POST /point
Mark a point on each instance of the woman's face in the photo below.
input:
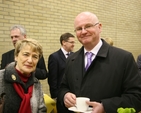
(27, 60)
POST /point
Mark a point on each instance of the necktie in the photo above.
(89, 59)
(68, 54)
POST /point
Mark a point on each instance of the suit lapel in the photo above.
(78, 60)
(62, 56)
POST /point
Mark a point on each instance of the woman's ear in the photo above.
(15, 58)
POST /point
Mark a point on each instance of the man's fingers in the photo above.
(91, 103)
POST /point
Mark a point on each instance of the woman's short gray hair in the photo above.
(34, 44)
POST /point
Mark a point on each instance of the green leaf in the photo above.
(126, 110)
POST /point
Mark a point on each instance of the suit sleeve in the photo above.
(53, 74)
(3, 64)
(41, 72)
(139, 63)
(131, 89)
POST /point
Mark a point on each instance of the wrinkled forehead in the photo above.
(15, 30)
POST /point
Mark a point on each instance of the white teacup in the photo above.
(81, 104)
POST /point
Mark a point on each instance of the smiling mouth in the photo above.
(85, 36)
(28, 66)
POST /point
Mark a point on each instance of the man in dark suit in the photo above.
(112, 79)
(139, 63)
(57, 62)
(18, 32)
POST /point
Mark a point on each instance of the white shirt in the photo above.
(65, 52)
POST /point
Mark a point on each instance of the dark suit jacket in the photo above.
(112, 79)
(139, 62)
(40, 73)
(56, 67)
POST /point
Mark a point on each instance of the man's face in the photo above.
(16, 35)
(87, 30)
(69, 45)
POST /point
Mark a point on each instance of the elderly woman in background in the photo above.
(20, 91)
(109, 41)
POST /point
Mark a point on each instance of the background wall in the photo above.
(46, 20)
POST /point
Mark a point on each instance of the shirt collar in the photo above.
(95, 49)
(64, 51)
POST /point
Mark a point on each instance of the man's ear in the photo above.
(63, 42)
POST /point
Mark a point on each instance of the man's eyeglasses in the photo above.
(71, 42)
(86, 27)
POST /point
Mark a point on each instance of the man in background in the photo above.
(18, 32)
(109, 41)
(57, 62)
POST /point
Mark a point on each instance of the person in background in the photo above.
(18, 32)
(139, 63)
(109, 41)
(20, 88)
(57, 62)
(109, 77)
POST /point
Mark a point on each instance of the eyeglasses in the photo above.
(71, 42)
(86, 27)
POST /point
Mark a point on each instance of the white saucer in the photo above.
(76, 110)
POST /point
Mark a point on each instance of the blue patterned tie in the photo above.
(89, 59)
